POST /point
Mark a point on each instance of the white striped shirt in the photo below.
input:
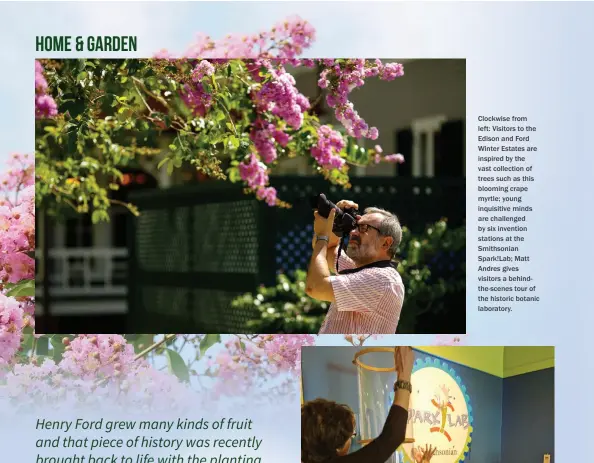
(367, 301)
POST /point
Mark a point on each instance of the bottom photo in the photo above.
(441, 404)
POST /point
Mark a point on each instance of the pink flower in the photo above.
(17, 267)
(267, 194)
(285, 42)
(196, 99)
(11, 328)
(93, 356)
(394, 158)
(254, 172)
(329, 144)
(262, 134)
(342, 78)
(45, 106)
(280, 97)
(391, 70)
(203, 69)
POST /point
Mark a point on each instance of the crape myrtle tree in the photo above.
(229, 107)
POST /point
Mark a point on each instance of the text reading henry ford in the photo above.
(149, 441)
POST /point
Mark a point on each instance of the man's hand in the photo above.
(321, 224)
(423, 455)
(320, 227)
(346, 204)
(330, 223)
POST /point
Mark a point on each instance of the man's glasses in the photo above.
(363, 227)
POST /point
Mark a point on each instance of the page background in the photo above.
(528, 59)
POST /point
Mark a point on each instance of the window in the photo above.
(79, 232)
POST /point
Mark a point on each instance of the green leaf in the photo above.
(99, 215)
(163, 161)
(58, 346)
(142, 341)
(208, 341)
(177, 366)
(27, 343)
(42, 345)
(234, 175)
(25, 288)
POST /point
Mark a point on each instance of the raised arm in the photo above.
(333, 242)
(394, 431)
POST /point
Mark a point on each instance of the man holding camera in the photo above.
(367, 295)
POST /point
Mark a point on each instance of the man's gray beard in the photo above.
(357, 254)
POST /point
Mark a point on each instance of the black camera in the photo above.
(344, 220)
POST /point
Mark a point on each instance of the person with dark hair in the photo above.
(367, 295)
(327, 427)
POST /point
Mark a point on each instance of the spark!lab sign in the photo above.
(440, 414)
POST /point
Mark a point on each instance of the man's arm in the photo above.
(317, 284)
(331, 251)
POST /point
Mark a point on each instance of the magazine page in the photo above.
(316, 232)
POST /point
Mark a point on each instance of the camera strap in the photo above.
(340, 246)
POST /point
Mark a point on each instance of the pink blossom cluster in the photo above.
(11, 328)
(284, 350)
(267, 194)
(396, 158)
(202, 69)
(17, 237)
(255, 174)
(265, 135)
(325, 152)
(244, 361)
(45, 106)
(196, 99)
(142, 388)
(19, 175)
(341, 77)
(285, 41)
(280, 96)
(92, 356)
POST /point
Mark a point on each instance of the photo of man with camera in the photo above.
(366, 293)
